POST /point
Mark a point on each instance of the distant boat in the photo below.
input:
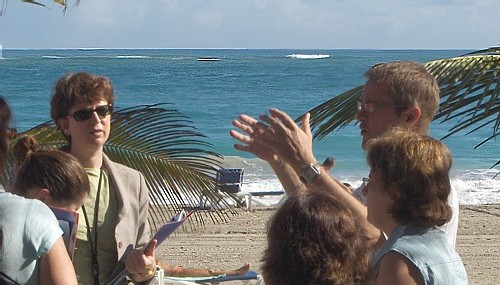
(308, 56)
(208, 59)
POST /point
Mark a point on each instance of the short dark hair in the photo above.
(75, 88)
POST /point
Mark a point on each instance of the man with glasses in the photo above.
(402, 94)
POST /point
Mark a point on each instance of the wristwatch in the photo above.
(309, 173)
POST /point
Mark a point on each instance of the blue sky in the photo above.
(297, 24)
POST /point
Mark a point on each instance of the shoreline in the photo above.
(243, 239)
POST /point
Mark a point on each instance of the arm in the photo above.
(56, 266)
(141, 263)
(177, 271)
(293, 144)
(252, 128)
(143, 233)
(397, 269)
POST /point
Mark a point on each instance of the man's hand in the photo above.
(252, 129)
(288, 141)
(141, 263)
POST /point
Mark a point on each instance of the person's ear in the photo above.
(393, 192)
(63, 124)
(412, 115)
(42, 194)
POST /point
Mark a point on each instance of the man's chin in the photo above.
(365, 141)
(363, 145)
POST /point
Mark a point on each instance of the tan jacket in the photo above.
(132, 228)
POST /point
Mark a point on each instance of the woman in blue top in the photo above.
(407, 195)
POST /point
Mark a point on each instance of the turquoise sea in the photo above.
(213, 93)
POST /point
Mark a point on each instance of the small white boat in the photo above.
(308, 56)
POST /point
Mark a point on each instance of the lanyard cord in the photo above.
(93, 243)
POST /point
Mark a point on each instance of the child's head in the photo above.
(53, 176)
(412, 169)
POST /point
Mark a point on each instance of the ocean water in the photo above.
(215, 92)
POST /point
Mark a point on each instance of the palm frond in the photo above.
(162, 143)
(335, 113)
(62, 3)
(470, 88)
(470, 92)
(35, 3)
(3, 9)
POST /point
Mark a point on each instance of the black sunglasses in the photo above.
(83, 115)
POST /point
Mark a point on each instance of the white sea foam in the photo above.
(53, 56)
(308, 56)
(474, 187)
(131, 56)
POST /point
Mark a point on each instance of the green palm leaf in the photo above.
(62, 3)
(162, 143)
(470, 88)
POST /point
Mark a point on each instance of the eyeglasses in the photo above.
(366, 180)
(83, 115)
(370, 107)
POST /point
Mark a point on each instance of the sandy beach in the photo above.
(243, 239)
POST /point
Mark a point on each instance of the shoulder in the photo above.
(20, 204)
(115, 167)
(30, 216)
(397, 269)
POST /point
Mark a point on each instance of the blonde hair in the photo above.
(411, 85)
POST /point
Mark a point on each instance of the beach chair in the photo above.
(229, 182)
(256, 198)
(251, 277)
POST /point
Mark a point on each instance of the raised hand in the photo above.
(291, 143)
(252, 129)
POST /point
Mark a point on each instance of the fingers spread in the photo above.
(306, 127)
(286, 120)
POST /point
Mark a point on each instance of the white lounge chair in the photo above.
(251, 277)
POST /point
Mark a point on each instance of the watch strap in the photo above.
(310, 172)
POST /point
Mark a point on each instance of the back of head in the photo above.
(5, 116)
(57, 171)
(313, 239)
(411, 85)
(78, 88)
(418, 168)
